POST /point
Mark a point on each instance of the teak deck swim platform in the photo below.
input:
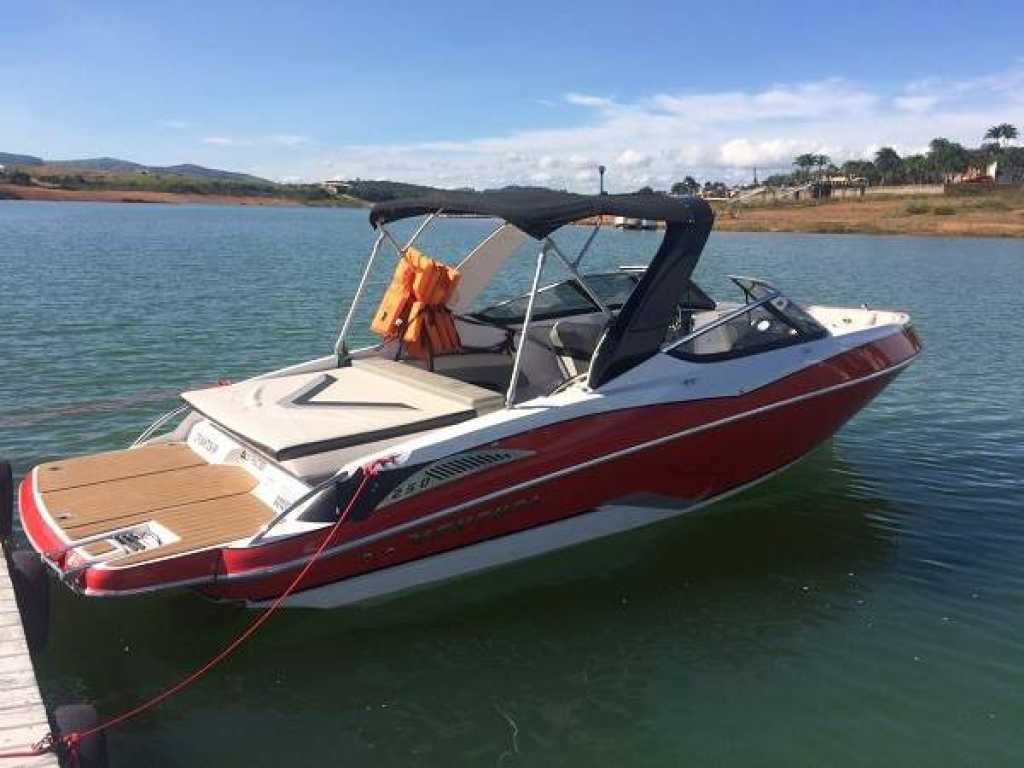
(192, 504)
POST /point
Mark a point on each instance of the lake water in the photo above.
(865, 608)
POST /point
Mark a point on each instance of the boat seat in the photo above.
(489, 370)
(371, 400)
(470, 395)
(574, 343)
(716, 341)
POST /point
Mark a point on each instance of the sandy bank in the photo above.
(982, 216)
(990, 214)
(18, 192)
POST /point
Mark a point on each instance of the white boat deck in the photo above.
(22, 714)
(374, 399)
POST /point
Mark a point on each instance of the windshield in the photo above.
(770, 321)
(564, 299)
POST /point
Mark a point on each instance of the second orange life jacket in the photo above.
(414, 307)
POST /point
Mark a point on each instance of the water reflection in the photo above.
(599, 619)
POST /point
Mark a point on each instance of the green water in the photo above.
(863, 609)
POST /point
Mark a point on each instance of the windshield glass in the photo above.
(797, 317)
(565, 298)
(756, 330)
(753, 289)
(769, 321)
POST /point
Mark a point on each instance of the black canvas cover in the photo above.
(638, 331)
(539, 212)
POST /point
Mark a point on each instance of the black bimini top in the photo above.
(637, 332)
(539, 212)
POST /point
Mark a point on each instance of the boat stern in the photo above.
(91, 565)
(139, 520)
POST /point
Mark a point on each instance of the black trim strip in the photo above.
(348, 441)
(306, 398)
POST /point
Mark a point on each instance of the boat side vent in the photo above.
(451, 468)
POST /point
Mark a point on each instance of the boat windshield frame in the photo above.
(757, 293)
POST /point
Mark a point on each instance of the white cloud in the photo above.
(587, 100)
(915, 103)
(280, 140)
(823, 98)
(630, 158)
(289, 140)
(659, 138)
(744, 153)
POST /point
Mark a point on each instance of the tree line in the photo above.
(943, 160)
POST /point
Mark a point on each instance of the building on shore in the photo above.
(976, 174)
(336, 186)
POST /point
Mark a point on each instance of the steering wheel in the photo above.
(681, 323)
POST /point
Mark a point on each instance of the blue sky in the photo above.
(491, 93)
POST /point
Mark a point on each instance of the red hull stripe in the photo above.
(40, 535)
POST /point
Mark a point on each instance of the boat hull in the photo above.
(582, 479)
(662, 482)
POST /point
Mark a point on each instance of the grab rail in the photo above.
(148, 432)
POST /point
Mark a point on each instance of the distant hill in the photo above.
(97, 164)
(376, 191)
(116, 165)
(6, 158)
(198, 171)
(96, 178)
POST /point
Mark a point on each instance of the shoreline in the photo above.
(994, 214)
(19, 192)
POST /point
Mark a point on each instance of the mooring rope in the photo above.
(72, 741)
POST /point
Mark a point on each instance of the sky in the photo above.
(486, 94)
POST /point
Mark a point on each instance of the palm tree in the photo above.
(805, 162)
(888, 163)
(1002, 133)
(949, 157)
(918, 169)
(688, 186)
(863, 169)
(821, 161)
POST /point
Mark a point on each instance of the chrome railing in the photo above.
(152, 428)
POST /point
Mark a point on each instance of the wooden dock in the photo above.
(22, 714)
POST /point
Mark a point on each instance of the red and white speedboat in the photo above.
(584, 408)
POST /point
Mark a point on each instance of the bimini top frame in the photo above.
(640, 327)
(539, 212)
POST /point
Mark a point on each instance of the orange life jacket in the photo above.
(414, 306)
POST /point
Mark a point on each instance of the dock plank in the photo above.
(23, 718)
